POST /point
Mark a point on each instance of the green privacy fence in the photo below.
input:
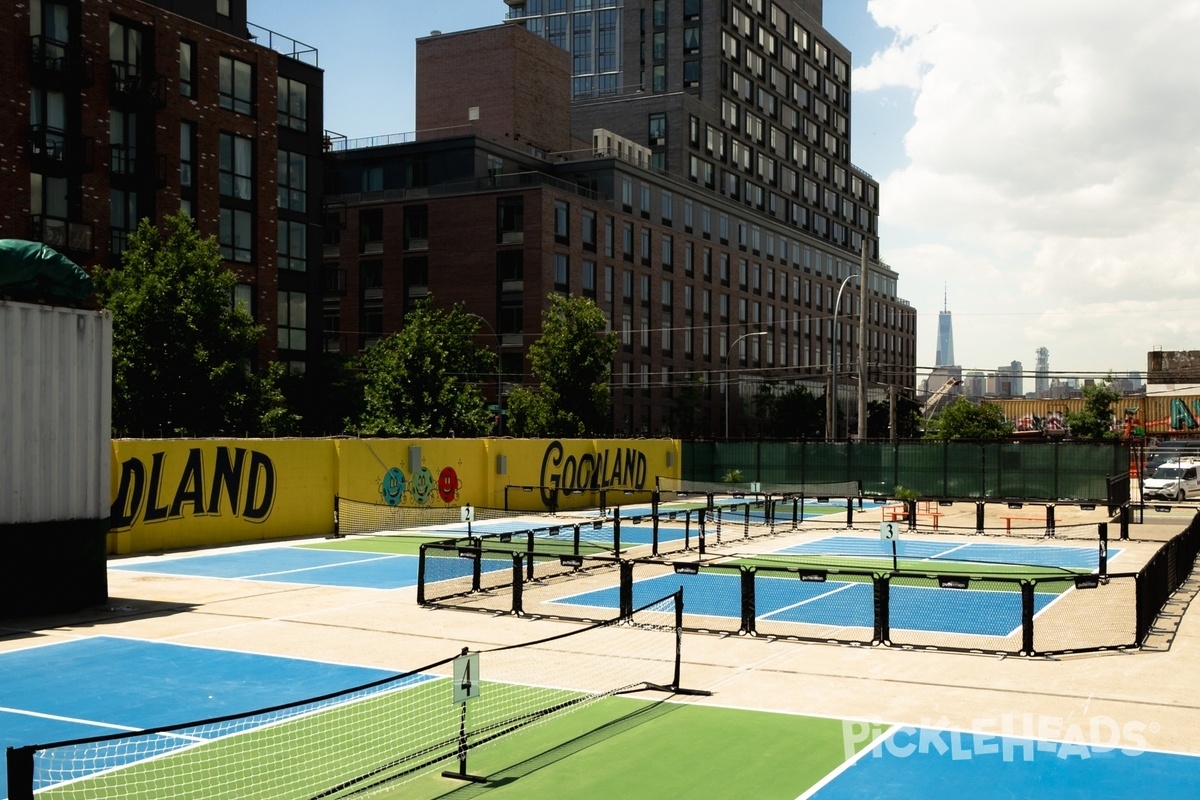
(1076, 471)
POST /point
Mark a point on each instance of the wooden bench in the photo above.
(892, 513)
(1008, 521)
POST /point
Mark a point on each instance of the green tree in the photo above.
(1095, 420)
(572, 361)
(181, 348)
(327, 397)
(908, 415)
(962, 419)
(794, 414)
(422, 380)
(685, 416)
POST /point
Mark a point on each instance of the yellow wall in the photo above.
(170, 494)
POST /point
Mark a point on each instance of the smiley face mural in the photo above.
(448, 484)
(422, 486)
(392, 487)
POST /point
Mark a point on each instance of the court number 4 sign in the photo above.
(889, 531)
(466, 677)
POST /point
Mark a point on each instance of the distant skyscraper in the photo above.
(945, 340)
(1041, 377)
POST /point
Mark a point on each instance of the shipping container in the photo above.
(1152, 415)
(55, 449)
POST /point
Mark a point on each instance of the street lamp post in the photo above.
(727, 352)
(837, 305)
(499, 379)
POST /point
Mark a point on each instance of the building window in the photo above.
(292, 181)
(223, 7)
(691, 39)
(236, 235)
(691, 73)
(668, 252)
(122, 141)
(510, 220)
(187, 165)
(123, 216)
(658, 129)
(292, 101)
(561, 271)
(588, 279)
(234, 168)
(370, 231)
(292, 249)
(292, 307)
(416, 228)
(588, 219)
(658, 78)
(562, 221)
(124, 55)
(371, 179)
(187, 69)
(234, 85)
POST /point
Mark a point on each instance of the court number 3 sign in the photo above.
(889, 531)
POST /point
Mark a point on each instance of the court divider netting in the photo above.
(368, 739)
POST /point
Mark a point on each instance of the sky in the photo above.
(1038, 161)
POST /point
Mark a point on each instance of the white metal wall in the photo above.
(55, 413)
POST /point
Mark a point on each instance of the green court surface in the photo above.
(633, 749)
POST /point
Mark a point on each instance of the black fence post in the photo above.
(849, 512)
(1027, 589)
(1125, 513)
(1050, 517)
(1103, 549)
(748, 600)
(617, 532)
(20, 773)
(625, 592)
(420, 578)
(883, 632)
(979, 504)
(911, 509)
(518, 607)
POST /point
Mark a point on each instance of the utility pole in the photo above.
(864, 276)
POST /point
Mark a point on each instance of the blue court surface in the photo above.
(837, 604)
(305, 565)
(1073, 557)
(104, 685)
(991, 766)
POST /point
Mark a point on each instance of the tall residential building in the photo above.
(119, 110)
(692, 218)
(1041, 380)
(945, 337)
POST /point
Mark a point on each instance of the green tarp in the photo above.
(32, 267)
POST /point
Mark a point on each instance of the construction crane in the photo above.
(935, 400)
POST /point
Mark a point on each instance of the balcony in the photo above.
(55, 62)
(72, 239)
(126, 82)
(53, 150)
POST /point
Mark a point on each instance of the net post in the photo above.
(1027, 591)
(797, 520)
(1125, 513)
(849, 512)
(700, 538)
(20, 769)
(654, 527)
(911, 508)
(617, 531)
(477, 568)
(337, 534)
(421, 576)
(1050, 520)
(575, 539)
(979, 516)
(462, 773)
(1103, 545)
(518, 604)
(882, 586)
(746, 521)
(529, 547)
(687, 529)
(748, 603)
(625, 592)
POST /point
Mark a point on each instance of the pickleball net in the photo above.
(370, 738)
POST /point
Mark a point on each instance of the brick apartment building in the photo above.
(703, 206)
(116, 110)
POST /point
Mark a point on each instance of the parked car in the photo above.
(1172, 450)
(1176, 480)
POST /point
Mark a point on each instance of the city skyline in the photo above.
(1054, 221)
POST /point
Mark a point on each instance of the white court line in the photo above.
(76, 720)
(849, 762)
(813, 599)
(323, 566)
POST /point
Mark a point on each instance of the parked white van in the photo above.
(1175, 480)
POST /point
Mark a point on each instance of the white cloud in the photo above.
(1051, 183)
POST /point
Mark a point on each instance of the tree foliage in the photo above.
(795, 414)
(572, 361)
(1095, 420)
(963, 419)
(181, 348)
(423, 379)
